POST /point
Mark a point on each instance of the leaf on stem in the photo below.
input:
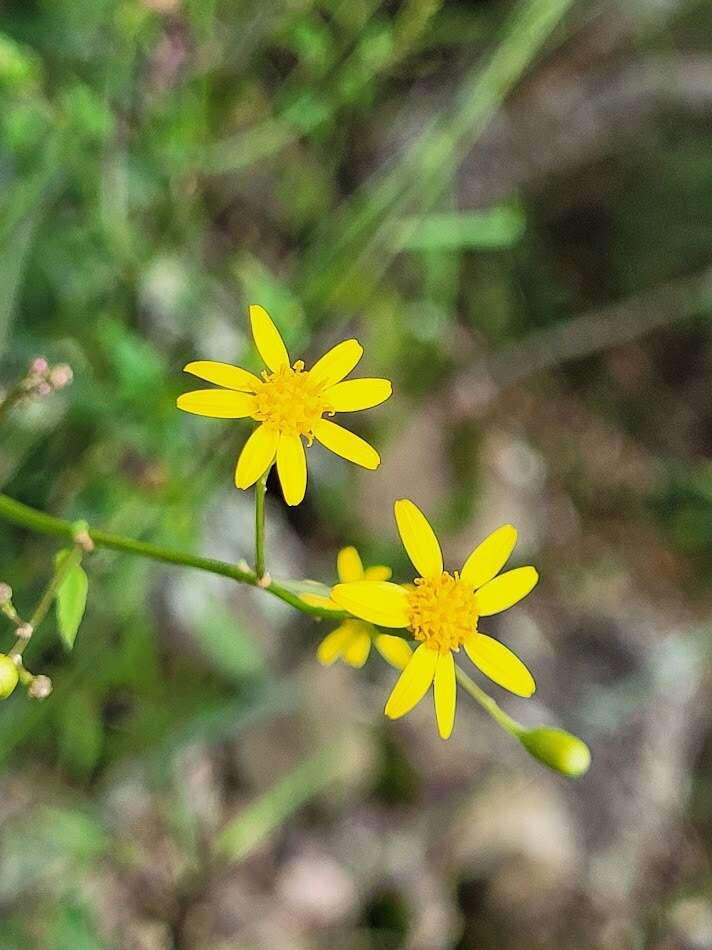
(71, 599)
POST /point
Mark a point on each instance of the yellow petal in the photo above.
(445, 694)
(376, 601)
(217, 403)
(418, 539)
(506, 590)
(292, 468)
(318, 600)
(333, 644)
(348, 565)
(358, 648)
(336, 363)
(378, 572)
(256, 457)
(346, 444)
(500, 664)
(394, 650)
(413, 683)
(268, 341)
(357, 394)
(224, 374)
(490, 556)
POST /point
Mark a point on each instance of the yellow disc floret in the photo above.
(442, 611)
(290, 402)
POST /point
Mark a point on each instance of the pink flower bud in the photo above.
(38, 366)
(61, 375)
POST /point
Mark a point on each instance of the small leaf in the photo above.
(71, 600)
(499, 227)
(306, 587)
(224, 639)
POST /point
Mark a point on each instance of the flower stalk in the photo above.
(12, 668)
(260, 494)
(46, 600)
(41, 379)
(489, 705)
(42, 523)
(559, 750)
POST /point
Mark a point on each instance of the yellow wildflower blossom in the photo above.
(442, 611)
(290, 403)
(351, 641)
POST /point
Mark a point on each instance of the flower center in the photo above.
(290, 402)
(443, 611)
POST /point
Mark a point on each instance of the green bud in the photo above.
(8, 675)
(560, 750)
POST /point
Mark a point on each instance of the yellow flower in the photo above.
(442, 611)
(289, 402)
(351, 641)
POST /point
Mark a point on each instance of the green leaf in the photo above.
(306, 587)
(224, 639)
(260, 283)
(260, 818)
(497, 228)
(72, 834)
(71, 600)
(20, 67)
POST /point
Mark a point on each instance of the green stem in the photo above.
(260, 493)
(45, 602)
(510, 725)
(42, 523)
(71, 560)
(14, 396)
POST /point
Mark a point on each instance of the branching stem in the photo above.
(39, 521)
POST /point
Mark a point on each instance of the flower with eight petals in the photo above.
(290, 403)
(442, 611)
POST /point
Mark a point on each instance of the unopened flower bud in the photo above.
(25, 631)
(560, 750)
(61, 376)
(5, 593)
(8, 675)
(40, 687)
(38, 366)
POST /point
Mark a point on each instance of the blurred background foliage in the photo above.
(509, 204)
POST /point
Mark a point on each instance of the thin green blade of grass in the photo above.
(258, 820)
(359, 239)
(498, 228)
